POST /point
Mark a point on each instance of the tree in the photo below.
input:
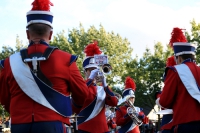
(19, 44)
(7, 50)
(113, 45)
(194, 37)
(147, 73)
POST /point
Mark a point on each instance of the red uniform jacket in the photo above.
(122, 119)
(98, 123)
(112, 123)
(175, 96)
(64, 77)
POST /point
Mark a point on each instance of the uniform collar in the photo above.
(188, 60)
(41, 42)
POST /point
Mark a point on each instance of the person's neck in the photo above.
(37, 40)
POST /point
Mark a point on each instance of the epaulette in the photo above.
(2, 63)
(73, 59)
(166, 70)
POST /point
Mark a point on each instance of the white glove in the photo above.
(108, 112)
(94, 74)
(104, 82)
(112, 115)
(130, 111)
(71, 120)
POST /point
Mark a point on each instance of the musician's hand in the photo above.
(104, 81)
(71, 120)
(130, 111)
(141, 115)
(94, 74)
(108, 113)
(112, 116)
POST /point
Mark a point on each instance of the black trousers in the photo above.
(39, 127)
(192, 127)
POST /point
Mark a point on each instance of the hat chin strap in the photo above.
(176, 60)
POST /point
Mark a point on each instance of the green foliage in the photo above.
(19, 44)
(195, 38)
(147, 73)
(7, 50)
(113, 45)
(3, 113)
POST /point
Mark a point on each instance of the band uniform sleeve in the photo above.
(143, 117)
(112, 124)
(121, 117)
(169, 90)
(78, 87)
(4, 89)
(145, 120)
(111, 99)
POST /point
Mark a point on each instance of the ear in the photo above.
(28, 34)
(179, 59)
(50, 35)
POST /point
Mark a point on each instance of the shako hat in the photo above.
(129, 90)
(180, 44)
(40, 13)
(91, 50)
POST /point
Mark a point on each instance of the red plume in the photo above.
(177, 36)
(92, 49)
(43, 5)
(129, 83)
(170, 61)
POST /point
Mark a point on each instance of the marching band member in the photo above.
(181, 90)
(177, 36)
(125, 114)
(35, 83)
(93, 110)
(111, 119)
(167, 117)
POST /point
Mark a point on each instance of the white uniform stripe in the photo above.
(100, 103)
(21, 73)
(188, 80)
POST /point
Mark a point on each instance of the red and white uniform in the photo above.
(175, 96)
(125, 121)
(111, 121)
(112, 125)
(64, 76)
(94, 120)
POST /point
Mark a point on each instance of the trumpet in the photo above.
(104, 67)
(133, 116)
(104, 70)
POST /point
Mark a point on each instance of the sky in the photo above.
(142, 22)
